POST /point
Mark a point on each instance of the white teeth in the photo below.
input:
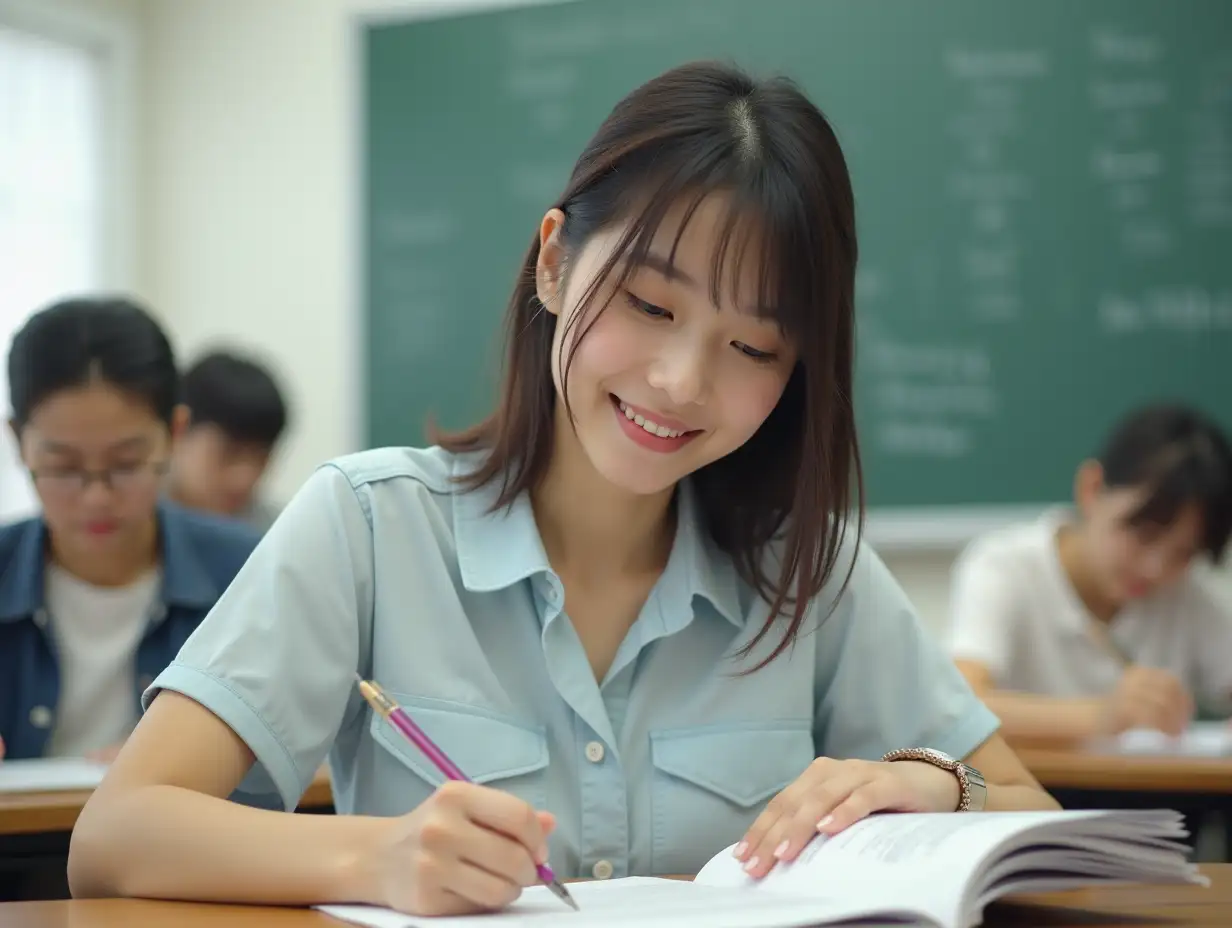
(652, 427)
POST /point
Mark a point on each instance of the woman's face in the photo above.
(665, 381)
(96, 455)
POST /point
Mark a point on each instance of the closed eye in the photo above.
(755, 354)
(655, 312)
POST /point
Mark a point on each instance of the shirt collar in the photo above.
(186, 582)
(498, 548)
(1073, 618)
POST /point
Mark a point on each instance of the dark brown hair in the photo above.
(1181, 458)
(697, 130)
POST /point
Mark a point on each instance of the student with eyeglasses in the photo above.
(100, 590)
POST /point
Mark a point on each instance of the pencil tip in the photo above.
(563, 894)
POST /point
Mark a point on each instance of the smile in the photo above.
(648, 433)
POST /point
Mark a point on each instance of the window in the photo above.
(53, 206)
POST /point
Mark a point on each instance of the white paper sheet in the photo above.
(49, 775)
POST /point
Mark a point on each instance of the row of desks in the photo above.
(42, 813)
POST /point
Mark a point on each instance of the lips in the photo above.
(660, 434)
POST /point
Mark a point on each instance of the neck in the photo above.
(592, 529)
(111, 568)
(1071, 551)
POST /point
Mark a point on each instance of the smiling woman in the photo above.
(105, 585)
(579, 597)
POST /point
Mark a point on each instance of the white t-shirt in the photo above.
(1014, 610)
(96, 632)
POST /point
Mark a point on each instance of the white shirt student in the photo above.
(1091, 621)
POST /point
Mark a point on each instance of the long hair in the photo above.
(694, 131)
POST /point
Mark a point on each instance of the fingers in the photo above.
(501, 812)
(811, 805)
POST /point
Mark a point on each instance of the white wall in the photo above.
(246, 226)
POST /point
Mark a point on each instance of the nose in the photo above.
(680, 372)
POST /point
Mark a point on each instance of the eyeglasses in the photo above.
(74, 481)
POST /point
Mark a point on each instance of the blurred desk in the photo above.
(41, 813)
(1058, 768)
(35, 829)
(1108, 907)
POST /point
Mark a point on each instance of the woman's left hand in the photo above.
(833, 794)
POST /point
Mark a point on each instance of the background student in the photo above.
(98, 592)
(237, 414)
(1091, 621)
(582, 578)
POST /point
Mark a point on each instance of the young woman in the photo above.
(100, 591)
(1090, 622)
(630, 605)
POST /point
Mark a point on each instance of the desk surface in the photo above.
(1058, 768)
(39, 813)
(1113, 907)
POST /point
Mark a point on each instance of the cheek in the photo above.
(749, 399)
(610, 348)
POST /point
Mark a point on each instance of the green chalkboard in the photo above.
(1044, 200)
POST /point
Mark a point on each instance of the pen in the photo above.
(397, 717)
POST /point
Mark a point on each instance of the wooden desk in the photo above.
(1058, 768)
(42, 813)
(1113, 907)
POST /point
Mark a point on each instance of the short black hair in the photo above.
(77, 341)
(237, 395)
(1184, 458)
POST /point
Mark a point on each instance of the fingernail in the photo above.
(821, 826)
(751, 865)
(781, 850)
(541, 856)
(741, 849)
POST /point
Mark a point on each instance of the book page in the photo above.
(922, 861)
(54, 774)
(641, 901)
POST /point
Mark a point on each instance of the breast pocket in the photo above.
(710, 783)
(497, 751)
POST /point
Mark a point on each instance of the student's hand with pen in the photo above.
(1146, 697)
(467, 848)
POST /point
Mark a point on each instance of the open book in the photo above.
(933, 870)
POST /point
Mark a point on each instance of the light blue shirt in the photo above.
(380, 564)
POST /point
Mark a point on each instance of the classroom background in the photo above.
(204, 156)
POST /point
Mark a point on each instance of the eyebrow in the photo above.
(666, 268)
(127, 444)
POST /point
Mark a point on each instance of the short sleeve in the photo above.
(275, 658)
(983, 611)
(884, 682)
(1211, 612)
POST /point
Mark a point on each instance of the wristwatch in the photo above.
(972, 790)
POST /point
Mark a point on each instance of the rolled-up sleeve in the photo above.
(884, 682)
(275, 658)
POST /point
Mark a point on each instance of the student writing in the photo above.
(99, 592)
(1091, 621)
(630, 604)
(237, 415)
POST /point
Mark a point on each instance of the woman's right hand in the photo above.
(467, 848)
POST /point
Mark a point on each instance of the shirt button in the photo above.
(40, 717)
(594, 752)
(602, 870)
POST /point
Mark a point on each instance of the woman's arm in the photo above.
(1011, 787)
(160, 826)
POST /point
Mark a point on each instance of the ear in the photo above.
(1088, 485)
(181, 419)
(549, 269)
